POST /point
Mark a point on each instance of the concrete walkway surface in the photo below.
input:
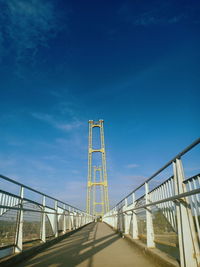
(96, 245)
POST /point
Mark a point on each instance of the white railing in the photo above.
(31, 216)
(167, 214)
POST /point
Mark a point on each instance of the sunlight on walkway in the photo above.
(95, 245)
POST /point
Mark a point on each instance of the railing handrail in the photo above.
(38, 192)
(179, 155)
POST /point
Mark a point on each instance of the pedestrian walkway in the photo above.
(96, 245)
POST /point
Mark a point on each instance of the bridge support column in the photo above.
(19, 226)
(149, 220)
(188, 243)
(43, 224)
(134, 220)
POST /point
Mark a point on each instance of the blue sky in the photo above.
(134, 64)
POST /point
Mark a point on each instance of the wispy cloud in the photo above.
(41, 166)
(65, 126)
(26, 25)
(6, 163)
(132, 166)
(73, 192)
(150, 18)
(162, 13)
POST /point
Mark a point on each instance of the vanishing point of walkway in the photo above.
(96, 245)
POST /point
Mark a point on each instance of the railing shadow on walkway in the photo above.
(74, 250)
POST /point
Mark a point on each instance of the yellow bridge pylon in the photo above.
(97, 183)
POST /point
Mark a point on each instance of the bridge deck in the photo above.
(95, 245)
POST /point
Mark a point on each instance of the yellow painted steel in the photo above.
(93, 185)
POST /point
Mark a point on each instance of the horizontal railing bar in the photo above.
(36, 191)
(191, 178)
(188, 148)
(26, 199)
(31, 201)
(138, 199)
(10, 194)
(164, 182)
(7, 246)
(175, 197)
(40, 211)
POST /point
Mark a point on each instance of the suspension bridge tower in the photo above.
(97, 186)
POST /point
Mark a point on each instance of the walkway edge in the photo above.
(30, 252)
(154, 254)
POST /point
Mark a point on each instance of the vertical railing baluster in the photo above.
(194, 205)
(169, 204)
(173, 205)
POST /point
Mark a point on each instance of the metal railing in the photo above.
(31, 216)
(164, 213)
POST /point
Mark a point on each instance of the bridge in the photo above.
(157, 224)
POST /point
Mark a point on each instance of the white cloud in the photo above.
(132, 166)
(65, 126)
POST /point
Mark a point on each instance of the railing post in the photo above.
(149, 220)
(84, 219)
(134, 220)
(19, 226)
(81, 219)
(118, 219)
(56, 219)
(188, 243)
(126, 218)
(78, 219)
(80, 216)
(113, 218)
(64, 219)
(74, 219)
(43, 225)
(70, 219)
